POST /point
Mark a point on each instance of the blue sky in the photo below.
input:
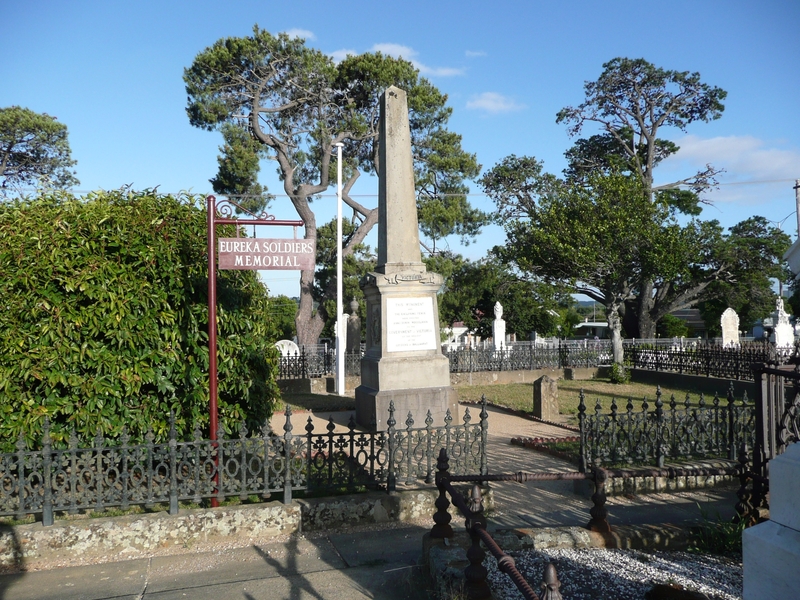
(112, 72)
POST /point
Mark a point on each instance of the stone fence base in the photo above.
(112, 538)
(618, 486)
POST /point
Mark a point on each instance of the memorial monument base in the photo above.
(372, 406)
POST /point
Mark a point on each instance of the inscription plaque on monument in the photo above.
(410, 324)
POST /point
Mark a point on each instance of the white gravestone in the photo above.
(498, 328)
(729, 322)
(287, 348)
(783, 332)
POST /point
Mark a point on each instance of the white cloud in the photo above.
(339, 55)
(743, 157)
(474, 54)
(396, 50)
(494, 103)
(300, 33)
(409, 54)
(752, 166)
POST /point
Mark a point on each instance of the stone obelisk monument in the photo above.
(403, 361)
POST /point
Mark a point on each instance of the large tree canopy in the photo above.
(631, 102)
(34, 150)
(604, 237)
(296, 103)
(105, 319)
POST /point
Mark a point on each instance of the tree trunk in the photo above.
(647, 326)
(615, 327)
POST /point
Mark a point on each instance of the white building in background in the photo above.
(458, 336)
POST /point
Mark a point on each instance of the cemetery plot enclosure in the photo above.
(259, 463)
(677, 430)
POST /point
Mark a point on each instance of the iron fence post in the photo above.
(47, 462)
(599, 521)
(409, 448)
(173, 467)
(21, 446)
(745, 511)
(287, 457)
(428, 448)
(441, 518)
(731, 425)
(583, 433)
(484, 435)
(391, 476)
(475, 573)
(309, 454)
(659, 429)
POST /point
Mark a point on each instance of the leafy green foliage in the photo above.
(716, 535)
(619, 374)
(753, 253)
(104, 319)
(472, 288)
(238, 166)
(291, 104)
(34, 150)
(671, 327)
(282, 312)
(354, 266)
(630, 102)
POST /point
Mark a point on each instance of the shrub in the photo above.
(619, 374)
(103, 319)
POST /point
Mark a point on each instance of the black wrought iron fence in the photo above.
(704, 359)
(678, 430)
(260, 463)
(777, 424)
(315, 363)
(567, 353)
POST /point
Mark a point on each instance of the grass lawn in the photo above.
(519, 396)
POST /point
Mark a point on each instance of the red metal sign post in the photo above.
(279, 254)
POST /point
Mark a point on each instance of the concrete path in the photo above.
(368, 562)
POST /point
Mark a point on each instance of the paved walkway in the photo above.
(367, 562)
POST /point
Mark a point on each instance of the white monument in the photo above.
(498, 328)
(403, 362)
(287, 348)
(729, 322)
(782, 330)
(771, 550)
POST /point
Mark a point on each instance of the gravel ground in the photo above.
(621, 574)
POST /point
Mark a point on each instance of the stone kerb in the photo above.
(113, 538)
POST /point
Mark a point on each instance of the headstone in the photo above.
(545, 398)
(354, 329)
(729, 323)
(771, 550)
(498, 328)
(403, 362)
(782, 330)
(287, 348)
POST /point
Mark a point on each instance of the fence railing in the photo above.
(109, 474)
(475, 573)
(777, 424)
(675, 430)
(704, 359)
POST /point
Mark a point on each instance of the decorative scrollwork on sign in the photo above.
(228, 209)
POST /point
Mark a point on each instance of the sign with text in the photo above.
(410, 324)
(267, 254)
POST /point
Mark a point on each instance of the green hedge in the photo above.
(103, 319)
